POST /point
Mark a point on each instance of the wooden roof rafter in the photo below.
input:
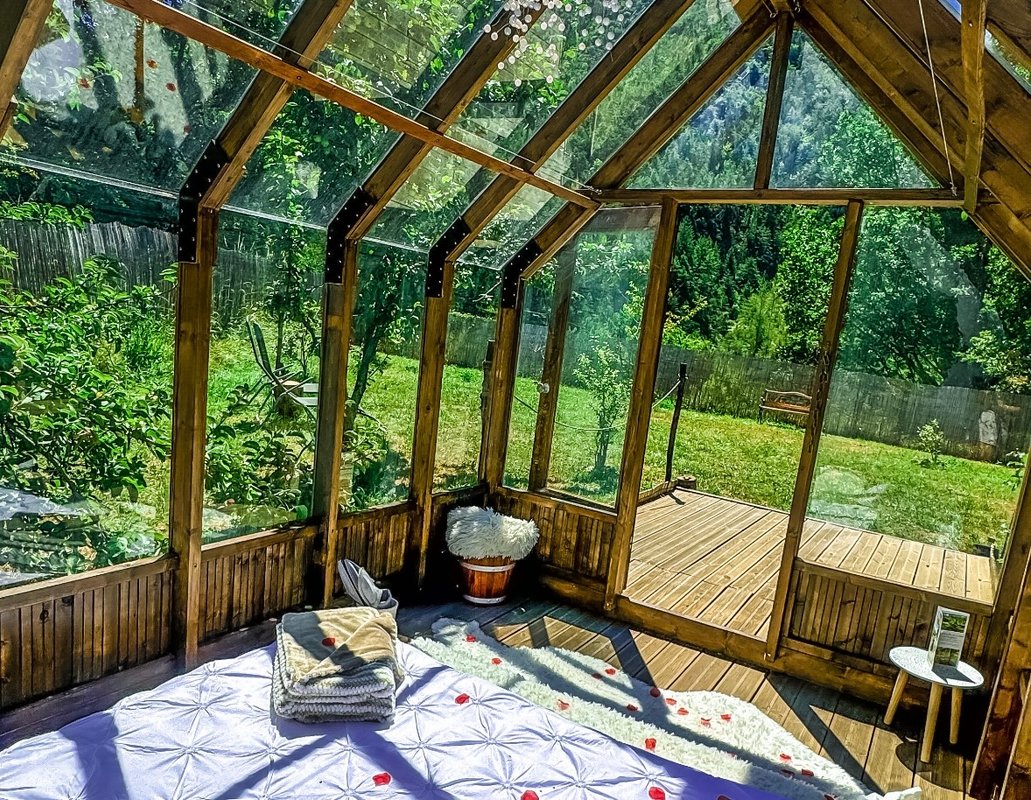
(661, 126)
(974, 18)
(442, 109)
(20, 27)
(300, 77)
(628, 50)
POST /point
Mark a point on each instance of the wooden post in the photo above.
(502, 384)
(551, 374)
(337, 306)
(427, 416)
(189, 435)
(635, 442)
(488, 372)
(820, 391)
(675, 422)
(774, 100)
(20, 27)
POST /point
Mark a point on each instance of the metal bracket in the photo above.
(512, 272)
(339, 230)
(212, 161)
(440, 252)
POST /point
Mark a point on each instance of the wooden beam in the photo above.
(820, 392)
(774, 99)
(189, 433)
(659, 128)
(297, 76)
(919, 198)
(427, 415)
(635, 440)
(338, 295)
(502, 384)
(551, 374)
(628, 50)
(1008, 645)
(305, 36)
(974, 17)
(442, 109)
(21, 25)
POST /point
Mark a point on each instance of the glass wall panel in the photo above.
(260, 22)
(86, 345)
(747, 299)
(263, 376)
(612, 258)
(928, 419)
(717, 148)
(829, 136)
(106, 94)
(662, 69)
(470, 326)
(383, 375)
(514, 226)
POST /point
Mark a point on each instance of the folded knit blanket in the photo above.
(335, 664)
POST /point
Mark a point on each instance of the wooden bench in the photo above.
(795, 403)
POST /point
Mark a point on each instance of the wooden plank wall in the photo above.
(376, 539)
(866, 617)
(575, 537)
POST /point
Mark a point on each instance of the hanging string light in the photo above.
(595, 22)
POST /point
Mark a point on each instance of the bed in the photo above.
(209, 735)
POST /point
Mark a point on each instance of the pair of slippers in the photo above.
(360, 587)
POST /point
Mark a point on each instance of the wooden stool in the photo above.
(914, 662)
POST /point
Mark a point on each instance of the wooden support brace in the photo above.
(502, 385)
(774, 99)
(820, 392)
(635, 441)
(21, 25)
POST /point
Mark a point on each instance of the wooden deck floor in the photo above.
(847, 731)
(716, 560)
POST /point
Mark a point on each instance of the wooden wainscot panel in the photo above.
(377, 538)
(864, 617)
(70, 630)
(575, 537)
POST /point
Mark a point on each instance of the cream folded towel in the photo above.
(335, 664)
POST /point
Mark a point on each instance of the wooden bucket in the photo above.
(485, 580)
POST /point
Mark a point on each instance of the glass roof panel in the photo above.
(312, 158)
(829, 136)
(430, 200)
(260, 22)
(398, 52)
(1009, 60)
(702, 28)
(717, 147)
(550, 61)
(514, 225)
(106, 94)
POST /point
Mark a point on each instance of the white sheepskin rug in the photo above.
(474, 532)
(711, 732)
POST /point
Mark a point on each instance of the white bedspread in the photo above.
(209, 735)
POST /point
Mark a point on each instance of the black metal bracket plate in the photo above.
(212, 161)
(440, 252)
(512, 272)
(339, 230)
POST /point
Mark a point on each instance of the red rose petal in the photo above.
(725, 717)
(808, 773)
(683, 711)
(722, 797)
(785, 757)
(706, 723)
(562, 705)
(632, 708)
(655, 692)
(610, 670)
(170, 86)
(649, 744)
(495, 661)
(596, 676)
(470, 638)
(785, 771)
(462, 699)
(329, 641)
(670, 701)
(529, 794)
(655, 793)
(382, 779)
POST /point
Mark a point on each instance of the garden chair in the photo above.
(287, 388)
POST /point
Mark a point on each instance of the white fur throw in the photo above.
(484, 533)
